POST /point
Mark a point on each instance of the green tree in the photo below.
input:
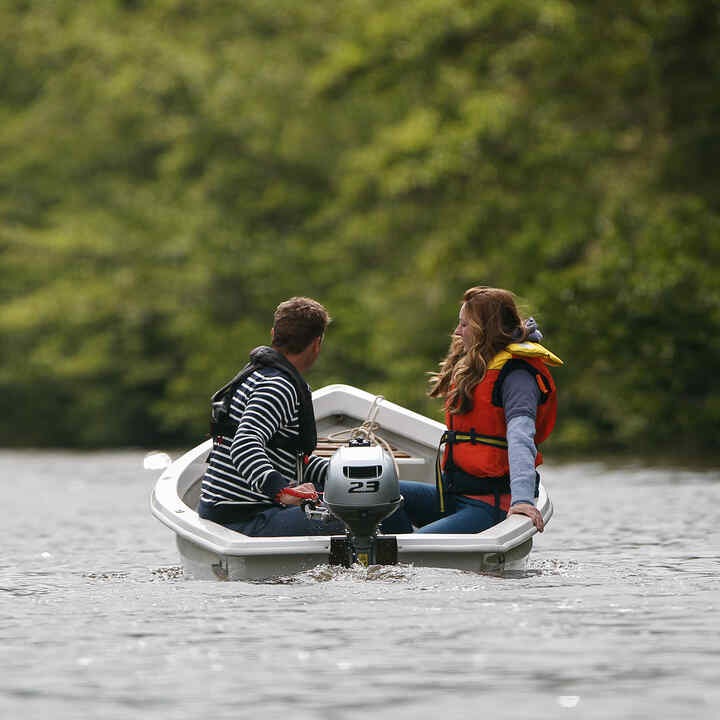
(171, 172)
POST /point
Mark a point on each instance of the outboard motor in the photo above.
(362, 489)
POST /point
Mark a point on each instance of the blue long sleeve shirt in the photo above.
(520, 397)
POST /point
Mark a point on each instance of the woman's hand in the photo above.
(531, 511)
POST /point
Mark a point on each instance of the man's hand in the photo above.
(295, 495)
(531, 511)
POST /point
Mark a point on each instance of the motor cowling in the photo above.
(362, 489)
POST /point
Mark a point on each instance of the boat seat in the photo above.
(326, 447)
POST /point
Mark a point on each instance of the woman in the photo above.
(500, 404)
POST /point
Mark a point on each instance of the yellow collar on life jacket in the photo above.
(524, 349)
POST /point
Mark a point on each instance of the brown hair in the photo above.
(494, 323)
(297, 322)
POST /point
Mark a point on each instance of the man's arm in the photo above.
(316, 471)
(269, 407)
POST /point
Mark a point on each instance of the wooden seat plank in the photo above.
(326, 447)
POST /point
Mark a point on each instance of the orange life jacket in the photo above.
(475, 461)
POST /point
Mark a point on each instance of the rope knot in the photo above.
(368, 431)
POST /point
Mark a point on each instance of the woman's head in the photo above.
(488, 322)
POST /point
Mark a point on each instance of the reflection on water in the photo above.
(616, 614)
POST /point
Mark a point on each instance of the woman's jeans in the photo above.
(422, 509)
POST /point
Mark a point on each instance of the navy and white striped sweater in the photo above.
(244, 474)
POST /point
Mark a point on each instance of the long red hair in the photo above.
(495, 322)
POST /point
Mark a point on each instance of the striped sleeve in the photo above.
(316, 471)
(269, 407)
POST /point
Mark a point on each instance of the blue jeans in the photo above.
(421, 508)
(286, 522)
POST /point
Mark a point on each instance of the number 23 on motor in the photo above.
(362, 486)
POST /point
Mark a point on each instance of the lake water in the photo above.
(617, 615)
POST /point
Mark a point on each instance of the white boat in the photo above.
(211, 551)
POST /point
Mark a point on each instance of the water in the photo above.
(616, 615)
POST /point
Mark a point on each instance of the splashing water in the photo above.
(156, 460)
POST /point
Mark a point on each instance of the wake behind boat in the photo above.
(209, 551)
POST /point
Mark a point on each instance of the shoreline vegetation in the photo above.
(170, 175)
(554, 457)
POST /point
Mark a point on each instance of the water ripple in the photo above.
(26, 591)
(615, 614)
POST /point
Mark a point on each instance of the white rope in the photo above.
(367, 431)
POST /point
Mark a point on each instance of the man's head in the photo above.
(297, 323)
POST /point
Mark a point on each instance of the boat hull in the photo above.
(211, 552)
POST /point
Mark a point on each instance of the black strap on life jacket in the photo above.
(452, 481)
(266, 357)
(518, 364)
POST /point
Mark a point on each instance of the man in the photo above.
(261, 468)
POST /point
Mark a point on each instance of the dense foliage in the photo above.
(172, 170)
